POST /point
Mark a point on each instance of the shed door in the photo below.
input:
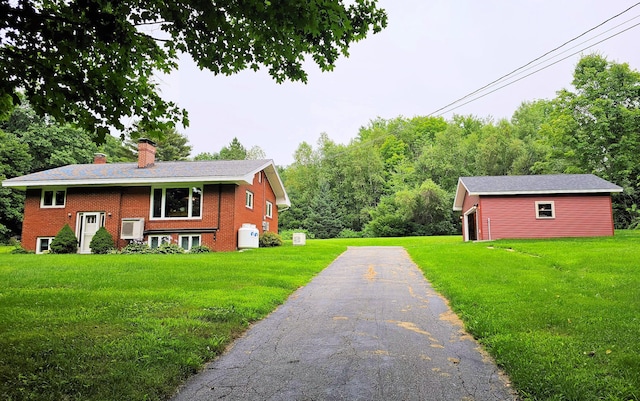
(472, 228)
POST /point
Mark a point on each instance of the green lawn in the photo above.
(562, 317)
(132, 327)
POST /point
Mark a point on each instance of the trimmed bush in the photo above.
(168, 249)
(20, 250)
(200, 249)
(136, 247)
(102, 242)
(65, 241)
(269, 239)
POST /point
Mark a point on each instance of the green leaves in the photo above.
(93, 63)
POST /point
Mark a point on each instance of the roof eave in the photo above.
(458, 200)
(128, 182)
(546, 192)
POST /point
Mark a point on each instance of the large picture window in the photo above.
(53, 198)
(176, 203)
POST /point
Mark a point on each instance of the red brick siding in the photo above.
(134, 202)
(262, 192)
(575, 216)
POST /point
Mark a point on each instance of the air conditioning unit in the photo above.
(132, 229)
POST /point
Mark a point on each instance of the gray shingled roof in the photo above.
(128, 174)
(161, 170)
(532, 184)
(537, 183)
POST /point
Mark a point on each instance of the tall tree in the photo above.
(234, 151)
(15, 160)
(600, 126)
(50, 144)
(171, 145)
(92, 62)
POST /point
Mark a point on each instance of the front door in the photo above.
(89, 223)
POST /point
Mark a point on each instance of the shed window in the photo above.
(545, 210)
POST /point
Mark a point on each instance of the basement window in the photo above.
(44, 244)
(157, 240)
(545, 210)
(189, 241)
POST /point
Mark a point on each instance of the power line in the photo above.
(531, 62)
(538, 70)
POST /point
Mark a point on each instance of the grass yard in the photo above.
(132, 327)
(562, 317)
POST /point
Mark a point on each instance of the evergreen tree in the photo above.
(65, 241)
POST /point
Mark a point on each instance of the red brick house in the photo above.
(189, 203)
(534, 206)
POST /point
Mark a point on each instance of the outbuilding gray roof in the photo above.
(531, 184)
(128, 174)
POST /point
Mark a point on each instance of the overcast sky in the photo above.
(432, 53)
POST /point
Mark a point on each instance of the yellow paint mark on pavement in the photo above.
(340, 318)
(371, 273)
(409, 326)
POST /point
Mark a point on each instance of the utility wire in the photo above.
(571, 48)
(523, 67)
(532, 61)
(536, 71)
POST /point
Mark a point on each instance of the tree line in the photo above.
(397, 177)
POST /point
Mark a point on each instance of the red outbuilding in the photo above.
(535, 206)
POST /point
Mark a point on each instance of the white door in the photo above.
(89, 225)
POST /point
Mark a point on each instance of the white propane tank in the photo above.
(248, 236)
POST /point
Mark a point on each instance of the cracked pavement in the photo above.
(368, 327)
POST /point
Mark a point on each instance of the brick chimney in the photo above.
(146, 153)
(99, 158)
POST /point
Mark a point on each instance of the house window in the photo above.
(269, 209)
(44, 244)
(157, 240)
(189, 241)
(53, 198)
(545, 210)
(249, 200)
(176, 203)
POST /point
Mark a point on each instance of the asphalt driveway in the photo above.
(368, 327)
